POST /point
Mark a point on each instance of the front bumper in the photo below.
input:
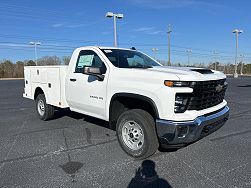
(175, 134)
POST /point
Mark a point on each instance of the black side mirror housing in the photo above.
(94, 71)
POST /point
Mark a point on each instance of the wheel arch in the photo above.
(38, 91)
(123, 101)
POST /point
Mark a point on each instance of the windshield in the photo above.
(129, 59)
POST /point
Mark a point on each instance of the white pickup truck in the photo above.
(149, 105)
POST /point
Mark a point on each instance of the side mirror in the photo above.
(94, 71)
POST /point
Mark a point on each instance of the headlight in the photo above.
(177, 83)
(181, 100)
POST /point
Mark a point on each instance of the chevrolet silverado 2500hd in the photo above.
(149, 105)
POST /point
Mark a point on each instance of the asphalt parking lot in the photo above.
(78, 151)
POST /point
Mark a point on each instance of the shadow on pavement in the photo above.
(147, 177)
(68, 113)
(70, 167)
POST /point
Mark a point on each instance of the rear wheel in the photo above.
(44, 110)
(136, 133)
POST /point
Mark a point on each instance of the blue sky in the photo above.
(203, 26)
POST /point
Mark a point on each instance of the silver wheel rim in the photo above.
(132, 135)
(40, 107)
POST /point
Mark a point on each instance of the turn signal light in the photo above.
(168, 83)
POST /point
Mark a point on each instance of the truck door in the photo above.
(85, 93)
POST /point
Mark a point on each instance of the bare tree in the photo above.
(29, 63)
(7, 69)
(19, 69)
(49, 60)
(66, 60)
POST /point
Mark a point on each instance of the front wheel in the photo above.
(136, 133)
(44, 110)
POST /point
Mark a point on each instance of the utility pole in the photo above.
(35, 45)
(237, 32)
(189, 52)
(242, 64)
(154, 50)
(115, 17)
(215, 53)
(169, 30)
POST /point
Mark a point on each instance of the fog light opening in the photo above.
(182, 131)
(180, 103)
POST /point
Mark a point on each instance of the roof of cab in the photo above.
(105, 47)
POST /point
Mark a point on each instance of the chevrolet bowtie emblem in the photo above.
(219, 88)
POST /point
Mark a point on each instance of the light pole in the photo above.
(242, 59)
(188, 51)
(154, 50)
(237, 32)
(35, 45)
(169, 30)
(115, 16)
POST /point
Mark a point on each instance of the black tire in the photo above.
(48, 111)
(146, 122)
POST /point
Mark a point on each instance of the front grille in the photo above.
(207, 94)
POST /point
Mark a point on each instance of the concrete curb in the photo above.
(231, 75)
(11, 78)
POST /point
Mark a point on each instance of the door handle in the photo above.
(73, 79)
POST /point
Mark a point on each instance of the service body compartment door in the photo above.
(27, 82)
(38, 74)
(53, 86)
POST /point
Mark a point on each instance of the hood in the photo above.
(190, 73)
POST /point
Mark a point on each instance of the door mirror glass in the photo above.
(95, 71)
(91, 70)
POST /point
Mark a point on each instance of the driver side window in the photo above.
(88, 58)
